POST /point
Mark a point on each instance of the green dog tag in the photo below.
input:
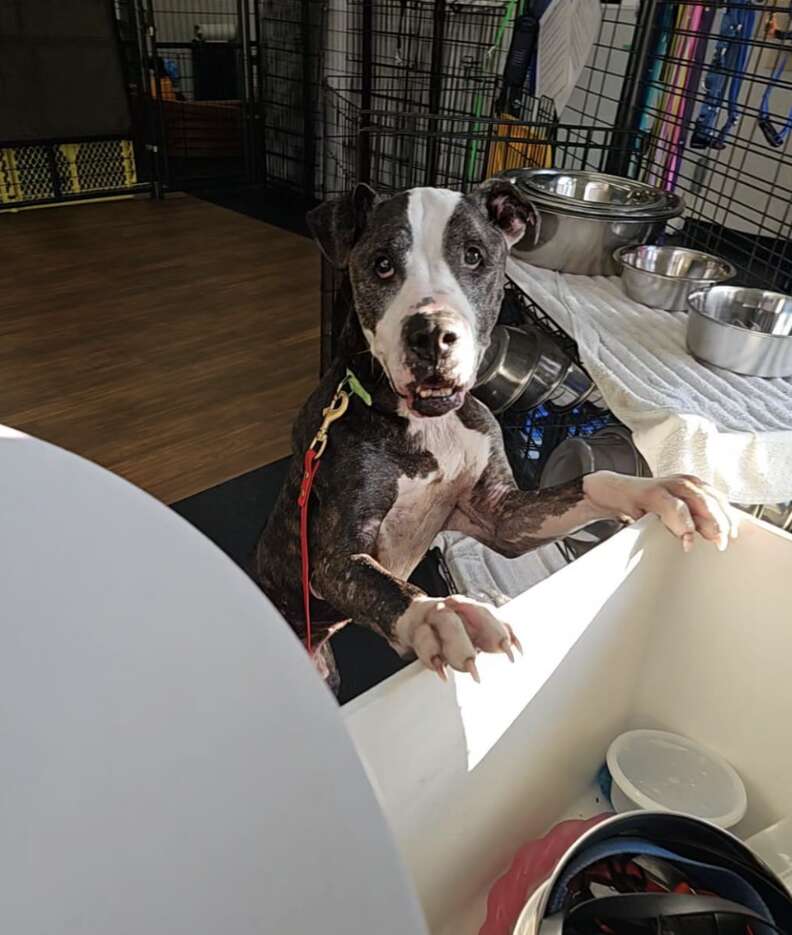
(357, 388)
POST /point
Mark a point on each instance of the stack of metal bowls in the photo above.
(609, 449)
(585, 216)
(524, 368)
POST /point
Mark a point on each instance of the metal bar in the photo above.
(158, 145)
(309, 123)
(366, 87)
(103, 194)
(435, 90)
(258, 108)
(243, 20)
(53, 168)
(634, 84)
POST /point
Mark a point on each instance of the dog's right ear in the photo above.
(336, 225)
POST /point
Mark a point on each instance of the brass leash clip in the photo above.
(338, 406)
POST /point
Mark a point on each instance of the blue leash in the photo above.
(729, 61)
(773, 136)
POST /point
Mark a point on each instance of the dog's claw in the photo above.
(505, 645)
(470, 666)
(515, 642)
(439, 666)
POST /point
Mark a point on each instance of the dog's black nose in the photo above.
(430, 337)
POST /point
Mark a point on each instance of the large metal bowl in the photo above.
(747, 331)
(664, 277)
(592, 191)
(583, 245)
(585, 216)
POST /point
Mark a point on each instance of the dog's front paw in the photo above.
(450, 631)
(684, 503)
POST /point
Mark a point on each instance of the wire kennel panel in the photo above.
(198, 90)
(396, 143)
(738, 191)
(415, 55)
(292, 39)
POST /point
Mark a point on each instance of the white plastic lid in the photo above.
(658, 770)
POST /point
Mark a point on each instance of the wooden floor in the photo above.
(169, 341)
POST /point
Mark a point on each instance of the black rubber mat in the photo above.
(233, 514)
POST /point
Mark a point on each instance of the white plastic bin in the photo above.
(636, 634)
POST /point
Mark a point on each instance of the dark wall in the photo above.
(60, 71)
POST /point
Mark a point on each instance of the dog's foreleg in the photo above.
(439, 632)
(513, 521)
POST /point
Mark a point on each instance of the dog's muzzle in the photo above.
(436, 347)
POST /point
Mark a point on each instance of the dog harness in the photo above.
(339, 404)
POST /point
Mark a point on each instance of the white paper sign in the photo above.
(567, 32)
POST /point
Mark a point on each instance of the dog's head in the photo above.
(427, 269)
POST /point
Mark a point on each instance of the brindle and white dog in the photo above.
(427, 270)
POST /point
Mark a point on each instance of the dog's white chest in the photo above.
(424, 504)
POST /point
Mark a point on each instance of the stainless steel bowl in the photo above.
(747, 331)
(609, 449)
(580, 244)
(575, 388)
(664, 277)
(580, 234)
(522, 367)
(592, 190)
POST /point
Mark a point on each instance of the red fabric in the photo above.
(311, 465)
(532, 865)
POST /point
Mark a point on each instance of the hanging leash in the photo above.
(339, 404)
(728, 67)
(774, 136)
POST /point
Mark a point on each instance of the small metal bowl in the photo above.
(747, 331)
(664, 277)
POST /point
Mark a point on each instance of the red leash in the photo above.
(311, 467)
(338, 406)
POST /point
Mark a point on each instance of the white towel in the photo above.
(482, 574)
(733, 431)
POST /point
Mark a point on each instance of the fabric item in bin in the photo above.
(593, 865)
(482, 574)
(531, 867)
(730, 430)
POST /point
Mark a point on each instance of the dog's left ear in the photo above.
(508, 209)
(336, 225)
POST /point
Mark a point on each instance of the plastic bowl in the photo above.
(659, 771)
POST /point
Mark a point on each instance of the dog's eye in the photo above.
(383, 267)
(473, 256)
